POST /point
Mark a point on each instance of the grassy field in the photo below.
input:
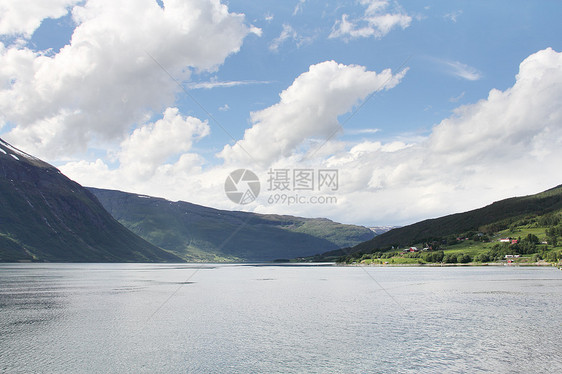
(473, 249)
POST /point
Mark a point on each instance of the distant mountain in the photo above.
(44, 216)
(198, 233)
(492, 218)
(378, 230)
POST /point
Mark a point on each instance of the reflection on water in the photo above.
(142, 318)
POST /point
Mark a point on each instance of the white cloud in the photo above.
(361, 131)
(106, 80)
(509, 119)
(309, 108)
(376, 21)
(287, 33)
(299, 7)
(453, 16)
(215, 83)
(24, 17)
(152, 145)
(507, 144)
(290, 34)
(455, 99)
(462, 70)
(456, 69)
(153, 156)
(224, 108)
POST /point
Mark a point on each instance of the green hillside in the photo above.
(44, 216)
(198, 233)
(492, 218)
(475, 232)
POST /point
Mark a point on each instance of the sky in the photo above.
(371, 112)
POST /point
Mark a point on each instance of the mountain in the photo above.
(378, 230)
(44, 216)
(489, 219)
(198, 233)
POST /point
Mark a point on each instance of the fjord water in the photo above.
(139, 318)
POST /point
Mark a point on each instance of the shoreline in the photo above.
(435, 265)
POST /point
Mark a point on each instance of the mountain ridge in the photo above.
(45, 216)
(490, 218)
(198, 233)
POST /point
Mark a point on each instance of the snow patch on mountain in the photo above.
(14, 152)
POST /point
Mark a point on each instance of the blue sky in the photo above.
(86, 86)
(487, 40)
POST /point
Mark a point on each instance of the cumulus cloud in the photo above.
(505, 145)
(309, 108)
(507, 121)
(508, 144)
(376, 21)
(114, 72)
(152, 145)
(152, 154)
(24, 17)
